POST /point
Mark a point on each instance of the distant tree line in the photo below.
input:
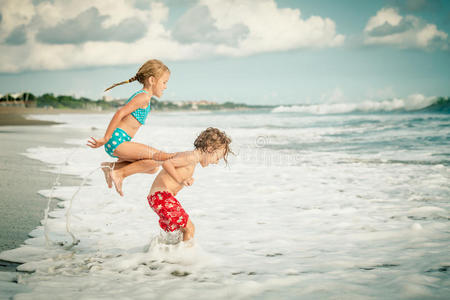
(168, 105)
(49, 100)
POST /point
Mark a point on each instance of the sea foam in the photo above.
(313, 207)
(411, 103)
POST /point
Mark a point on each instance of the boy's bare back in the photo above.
(184, 164)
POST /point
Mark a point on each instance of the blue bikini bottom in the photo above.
(118, 137)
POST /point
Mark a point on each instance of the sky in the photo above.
(248, 51)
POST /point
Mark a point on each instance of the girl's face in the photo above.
(161, 85)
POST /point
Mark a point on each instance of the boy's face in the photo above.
(212, 157)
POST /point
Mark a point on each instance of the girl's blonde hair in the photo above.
(152, 67)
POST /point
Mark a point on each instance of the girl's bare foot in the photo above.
(107, 168)
(117, 180)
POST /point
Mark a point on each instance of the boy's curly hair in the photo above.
(212, 139)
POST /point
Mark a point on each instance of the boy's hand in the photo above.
(188, 182)
(95, 143)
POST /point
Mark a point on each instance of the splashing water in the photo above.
(56, 183)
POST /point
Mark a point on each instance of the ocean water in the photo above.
(318, 203)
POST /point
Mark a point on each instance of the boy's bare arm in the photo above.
(181, 159)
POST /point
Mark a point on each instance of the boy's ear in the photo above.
(210, 149)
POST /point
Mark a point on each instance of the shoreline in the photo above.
(16, 115)
(22, 179)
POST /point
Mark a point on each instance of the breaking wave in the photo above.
(412, 103)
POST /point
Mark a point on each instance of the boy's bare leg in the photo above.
(148, 166)
(188, 231)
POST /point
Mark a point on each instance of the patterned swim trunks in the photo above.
(171, 215)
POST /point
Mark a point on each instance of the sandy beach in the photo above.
(17, 115)
(22, 178)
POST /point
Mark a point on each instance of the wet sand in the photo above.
(16, 115)
(21, 178)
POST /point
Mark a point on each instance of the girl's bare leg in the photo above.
(107, 168)
(148, 166)
(133, 158)
(131, 151)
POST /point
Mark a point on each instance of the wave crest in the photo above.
(416, 102)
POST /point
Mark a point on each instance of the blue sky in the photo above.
(256, 52)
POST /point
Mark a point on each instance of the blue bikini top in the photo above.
(141, 113)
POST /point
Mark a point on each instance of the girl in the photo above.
(138, 158)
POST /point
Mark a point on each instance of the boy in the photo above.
(210, 146)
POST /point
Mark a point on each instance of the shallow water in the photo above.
(350, 206)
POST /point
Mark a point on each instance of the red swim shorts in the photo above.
(171, 215)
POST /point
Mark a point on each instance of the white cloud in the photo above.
(36, 54)
(87, 26)
(45, 35)
(198, 26)
(14, 14)
(387, 27)
(271, 28)
(385, 15)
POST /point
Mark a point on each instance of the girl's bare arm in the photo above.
(137, 102)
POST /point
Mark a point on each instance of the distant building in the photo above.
(194, 104)
(205, 102)
(108, 98)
